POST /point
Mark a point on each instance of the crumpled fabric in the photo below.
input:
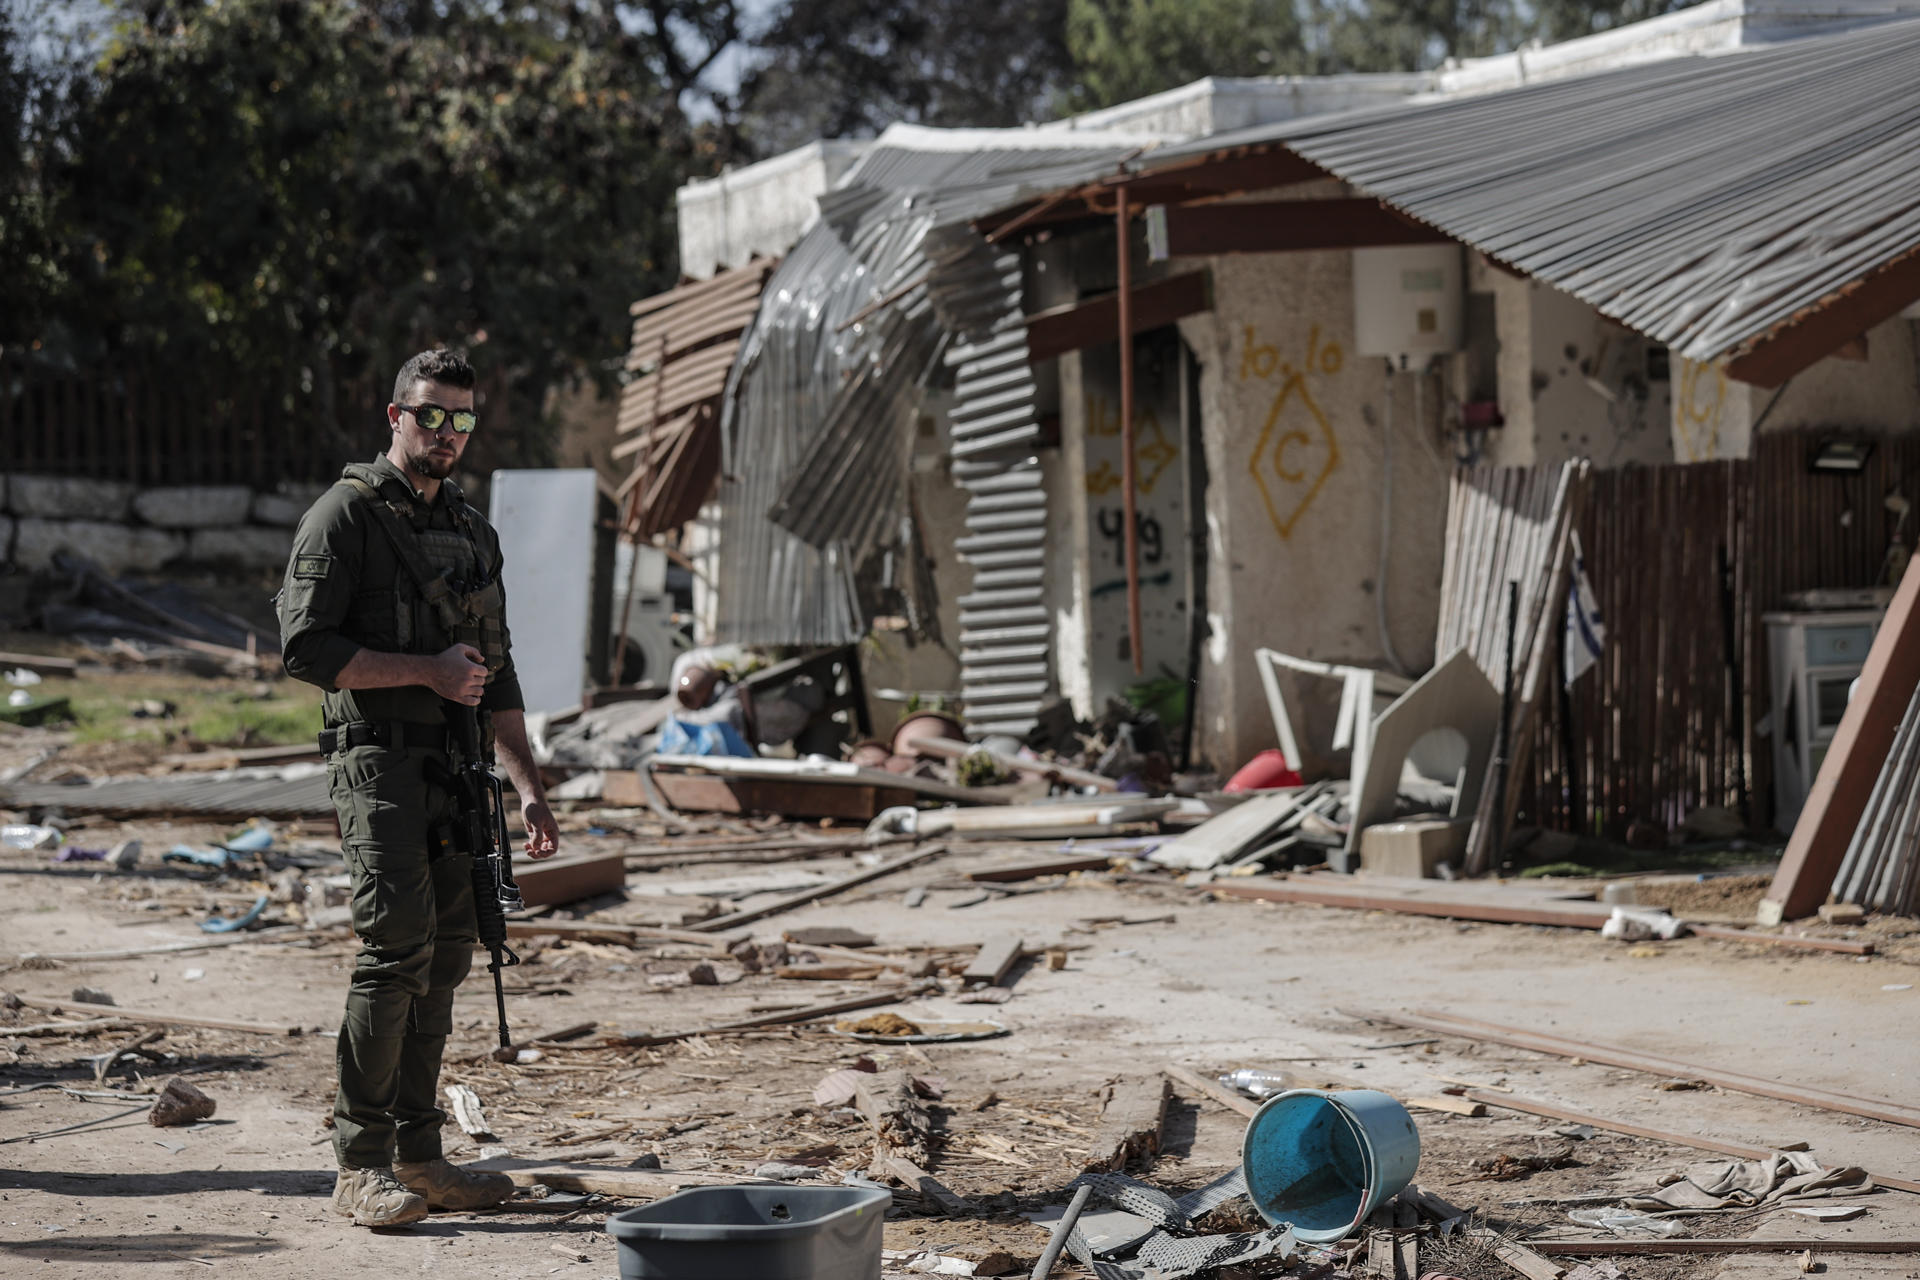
(1782, 1177)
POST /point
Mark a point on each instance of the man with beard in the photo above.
(393, 605)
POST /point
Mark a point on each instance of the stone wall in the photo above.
(125, 529)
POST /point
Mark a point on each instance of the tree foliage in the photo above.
(1126, 49)
(849, 68)
(303, 192)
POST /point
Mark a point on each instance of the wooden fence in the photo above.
(1669, 720)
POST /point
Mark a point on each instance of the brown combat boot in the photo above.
(448, 1186)
(375, 1198)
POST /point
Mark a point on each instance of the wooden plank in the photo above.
(1682, 1244)
(1131, 1122)
(621, 934)
(993, 960)
(820, 891)
(60, 668)
(589, 1179)
(1287, 226)
(1627, 1059)
(929, 1187)
(1453, 1106)
(1571, 915)
(1210, 1089)
(154, 1018)
(1045, 867)
(827, 935)
(900, 1123)
(1224, 835)
(783, 1018)
(1522, 1259)
(1743, 1150)
(1788, 940)
(1073, 326)
(829, 972)
(569, 879)
(1854, 760)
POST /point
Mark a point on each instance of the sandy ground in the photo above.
(1222, 984)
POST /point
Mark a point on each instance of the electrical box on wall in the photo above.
(1408, 301)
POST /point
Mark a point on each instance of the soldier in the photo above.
(393, 605)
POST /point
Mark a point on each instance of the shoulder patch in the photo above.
(312, 566)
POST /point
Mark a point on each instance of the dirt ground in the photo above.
(1157, 973)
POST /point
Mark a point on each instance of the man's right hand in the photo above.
(459, 674)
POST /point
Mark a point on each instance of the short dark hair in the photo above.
(448, 368)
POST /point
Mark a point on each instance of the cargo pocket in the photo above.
(380, 796)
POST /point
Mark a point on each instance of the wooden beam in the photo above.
(630, 1184)
(1208, 1089)
(155, 1018)
(1131, 1122)
(1843, 1244)
(1654, 1064)
(1829, 324)
(1284, 226)
(819, 891)
(1742, 1150)
(992, 962)
(546, 884)
(1078, 325)
(1225, 172)
(1854, 759)
(808, 1014)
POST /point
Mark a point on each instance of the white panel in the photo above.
(1408, 301)
(545, 519)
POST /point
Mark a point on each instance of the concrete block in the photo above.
(248, 546)
(1413, 849)
(279, 509)
(68, 498)
(116, 548)
(194, 506)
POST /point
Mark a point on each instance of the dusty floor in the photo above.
(1222, 984)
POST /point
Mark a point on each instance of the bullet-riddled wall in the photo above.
(1877, 391)
(1298, 431)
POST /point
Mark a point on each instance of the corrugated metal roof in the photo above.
(1701, 201)
(296, 791)
(816, 430)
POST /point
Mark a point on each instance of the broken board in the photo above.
(1223, 837)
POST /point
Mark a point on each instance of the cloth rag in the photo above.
(1782, 1177)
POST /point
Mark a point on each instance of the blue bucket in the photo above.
(1322, 1161)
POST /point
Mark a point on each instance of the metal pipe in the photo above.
(1122, 228)
(1061, 1230)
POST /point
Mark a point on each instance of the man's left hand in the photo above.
(543, 837)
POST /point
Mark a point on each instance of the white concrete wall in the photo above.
(1591, 396)
(761, 209)
(1295, 437)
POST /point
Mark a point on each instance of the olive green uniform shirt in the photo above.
(347, 590)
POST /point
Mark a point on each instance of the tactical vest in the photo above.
(444, 594)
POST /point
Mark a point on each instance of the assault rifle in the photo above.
(480, 831)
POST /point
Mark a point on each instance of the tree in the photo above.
(1125, 49)
(849, 68)
(300, 193)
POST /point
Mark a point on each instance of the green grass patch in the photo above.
(228, 713)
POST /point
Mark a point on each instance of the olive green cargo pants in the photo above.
(413, 914)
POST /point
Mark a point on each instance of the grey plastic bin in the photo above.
(754, 1233)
